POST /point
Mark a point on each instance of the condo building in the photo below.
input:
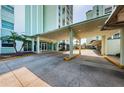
(6, 25)
(41, 19)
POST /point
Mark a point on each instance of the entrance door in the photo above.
(44, 46)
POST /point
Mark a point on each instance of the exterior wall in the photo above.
(33, 19)
(50, 17)
(7, 16)
(28, 23)
(0, 28)
(40, 19)
(113, 46)
(44, 18)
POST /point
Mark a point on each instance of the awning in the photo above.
(84, 29)
(116, 19)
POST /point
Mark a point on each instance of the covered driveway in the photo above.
(84, 29)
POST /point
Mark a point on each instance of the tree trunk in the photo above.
(15, 47)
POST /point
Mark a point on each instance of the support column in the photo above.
(80, 46)
(41, 46)
(57, 46)
(52, 46)
(38, 44)
(122, 46)
(71, 43)
(33, 45)
(104, 45)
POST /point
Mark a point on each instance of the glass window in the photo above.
(116, 36)
(7, 43)
(63, 11)
(7, 25)
(63, 22)
(8, 8)
(108, 10)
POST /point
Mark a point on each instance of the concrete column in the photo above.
(122, 46)
(71, 43)
(33, 45)
(57, 46)
(104, 45)
(52, 46)
(80, 46)
(41, 46)
(38, 44)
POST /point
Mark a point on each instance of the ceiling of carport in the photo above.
(84, 29)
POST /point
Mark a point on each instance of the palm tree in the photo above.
(16, 37)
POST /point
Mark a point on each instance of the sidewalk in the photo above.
(21, 77)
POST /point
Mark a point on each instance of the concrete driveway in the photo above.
(87, 70)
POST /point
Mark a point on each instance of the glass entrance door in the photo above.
(44, 46)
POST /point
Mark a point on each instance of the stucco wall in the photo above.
(113, 46)
(50, 17)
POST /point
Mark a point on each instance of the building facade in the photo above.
(40, 19)
(6, 25)
(100, 10)
(97, 11)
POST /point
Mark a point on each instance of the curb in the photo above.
(114, 62)
(70, 58)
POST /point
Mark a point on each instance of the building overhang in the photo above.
(115, 20)
(84, 29)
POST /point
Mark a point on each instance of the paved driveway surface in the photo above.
(85, 70)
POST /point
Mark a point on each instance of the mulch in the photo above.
(5, 56)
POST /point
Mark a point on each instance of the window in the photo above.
(8, 8)
(28, 46)
(7, 43)
(116, 36)
(7, 25)
(63, 22)
(63, 10)
(108, 10)
(59, 7)
(97, 11)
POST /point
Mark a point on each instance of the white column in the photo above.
(33, 45)
(52, 46)
(41, 47)
(71, 43)
(104, 45)
(57, 46)
(38, 44)
(80, 46)
(122, 46)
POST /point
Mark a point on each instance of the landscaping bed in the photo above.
(19, 54)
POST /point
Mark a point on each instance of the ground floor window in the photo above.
(28, 46)
(7, 43)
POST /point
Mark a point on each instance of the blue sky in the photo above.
(79, 12)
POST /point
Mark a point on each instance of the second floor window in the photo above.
(8, 8)
(7, 25)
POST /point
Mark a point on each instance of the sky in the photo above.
(79, 13)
